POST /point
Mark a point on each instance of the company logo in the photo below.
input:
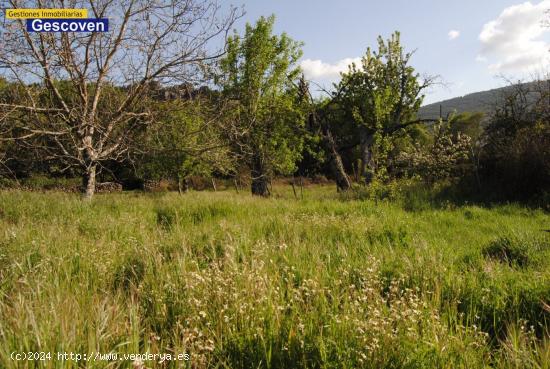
(59, 20)
(46, 13)
(68, 25)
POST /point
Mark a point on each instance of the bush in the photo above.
(515, 162)
(8, 183)
(162, 185)
(515, 251)
(448, 157)
(40, 183)
(417, 198)
(376, 190)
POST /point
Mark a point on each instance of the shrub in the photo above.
(162, 185)
(515, 161)
(49, 183)
(376, 190)
(515, 251)
(416, 198)
(445, 159)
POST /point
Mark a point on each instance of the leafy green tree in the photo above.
(185, 139)
(381, 97)
(258, 75)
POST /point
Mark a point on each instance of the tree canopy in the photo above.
(258, 75)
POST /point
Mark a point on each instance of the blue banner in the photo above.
(68, 25)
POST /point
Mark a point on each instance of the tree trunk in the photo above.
(88, 182)
(366, 141)
(259, 186)
(342, 180)
(180, 184)
(185, 185)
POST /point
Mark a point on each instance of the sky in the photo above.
(472, 44)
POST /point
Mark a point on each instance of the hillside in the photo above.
(482, 101)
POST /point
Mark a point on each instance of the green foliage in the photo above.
(314, 153)
(166, 217)
(241, 282)
(259, 71)
(129, 273)
(449, 156)
(38, 183)
(186, 139)
(390, 236)
(384, 90)
(516, 251)
(169, 217)
(380, 96)
(469, 124)
(515, 161)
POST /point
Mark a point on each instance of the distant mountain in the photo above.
(483, 101)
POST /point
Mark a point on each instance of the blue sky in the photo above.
(469, 43)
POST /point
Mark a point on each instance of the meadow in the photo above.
(323, 281)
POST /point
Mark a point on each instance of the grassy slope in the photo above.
(243, 282)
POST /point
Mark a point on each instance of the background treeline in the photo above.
(249, 116)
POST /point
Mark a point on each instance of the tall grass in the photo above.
(239, 282)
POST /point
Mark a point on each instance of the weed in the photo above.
(238, 282)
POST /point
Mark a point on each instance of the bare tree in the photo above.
(87, 92)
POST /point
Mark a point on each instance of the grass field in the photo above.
(241, 282)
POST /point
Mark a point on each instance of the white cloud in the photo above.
(481, 59)
(317, 69)
(453, 34)
(512, 41)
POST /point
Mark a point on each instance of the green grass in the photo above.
(240, 282)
